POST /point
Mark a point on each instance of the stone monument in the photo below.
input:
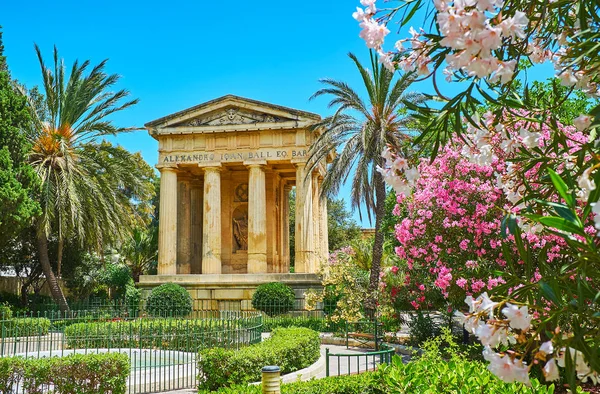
(227, 167)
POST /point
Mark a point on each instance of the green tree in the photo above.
(140, 252)
(359, 131)
(342, 228)
(89, 187)
(17, 179)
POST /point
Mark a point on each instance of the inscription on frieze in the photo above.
(198, 157)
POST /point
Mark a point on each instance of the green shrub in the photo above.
(273, 298)
(77, 373)
(169, 299)
(421, 328)
(133, 296)
(25, 327)
(173, 334)
(289, 348)
(5, 311)
(314, 323)
(354, 384)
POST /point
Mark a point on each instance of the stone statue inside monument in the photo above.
(240, 229)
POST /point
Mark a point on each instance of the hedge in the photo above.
(273, 298)
(169, 300)
(291, 349)
(24, 327)
(168, 334)
(314, 323)
(354, 384)
(77, 373)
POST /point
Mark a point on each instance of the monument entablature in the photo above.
(227, 167)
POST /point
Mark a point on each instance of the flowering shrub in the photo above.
(546, 316)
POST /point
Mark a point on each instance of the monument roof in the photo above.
(268, 110)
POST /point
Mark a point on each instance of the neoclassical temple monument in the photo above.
(227, 168)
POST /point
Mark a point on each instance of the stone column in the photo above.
(300, 257)
(308, 236)
(211, 227)
(324, 226)
(196, 193)
(316, 222)
(184, 229)
(167, 231)
(257, 220)
(286, 228)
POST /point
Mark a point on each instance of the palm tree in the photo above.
(87, 184)
(359, 131)
(141, 251)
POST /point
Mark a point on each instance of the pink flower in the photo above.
(395, 269)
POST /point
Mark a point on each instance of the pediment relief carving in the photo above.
(234, 116)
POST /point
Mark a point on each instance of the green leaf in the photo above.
(561, 188)
(561, 224)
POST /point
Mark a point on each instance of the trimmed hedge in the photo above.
(171, 334)
(169, 300)
(77, 373)
(25, 327)
(291, 349)
(314, 323)
(273, 298)
(355, 384)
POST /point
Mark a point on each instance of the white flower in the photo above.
(490, 38)
(387, 60)
(412, 175)
(582, 122)
(586, 184)
(515, 26)
(505, 368)
(373, 33)
(550, 370)
(529, 139)
(519, 318)
(492, 335)
(567, 78)
(370, 4)
(505, 72)
(547, 347)
(582, 368)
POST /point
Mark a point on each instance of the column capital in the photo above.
(210, 164)
(255, 163)
(299, 163)
(166, 167)
(212, 169)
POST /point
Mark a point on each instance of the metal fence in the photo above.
(162, 349)
(355, 363)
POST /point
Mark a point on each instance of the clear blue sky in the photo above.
(176, 54)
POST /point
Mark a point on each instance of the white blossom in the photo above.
(529, 139)
(519, 318)
(550, 370)
(582, 122)
(586, 184)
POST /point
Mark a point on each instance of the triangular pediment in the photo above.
(232, 111)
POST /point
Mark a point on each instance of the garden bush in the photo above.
(273, 298)
(422, 327)
(314, 323)
(172, 334)
(25, 327)
(354, 384)
(77, 373)
(169, 300)
(5, 312)
(291, 349)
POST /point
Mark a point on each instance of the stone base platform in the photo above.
(229, 291)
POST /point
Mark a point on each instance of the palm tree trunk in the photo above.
(55, 290)
(371, 302)
(61, 244)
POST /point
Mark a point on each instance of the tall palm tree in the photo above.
(359, 131)
(141, 251)
(87, 184)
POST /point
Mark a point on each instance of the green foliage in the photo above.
(133, 296)
(342, 228)
(422, 327)
(173, 334)
(77, 373)
(314, 323)
(289, 348)
(5, 311)
(17, 178)
(273, 298)
(169, 299)
(354, 384)
(25, 327)
(117, 277)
